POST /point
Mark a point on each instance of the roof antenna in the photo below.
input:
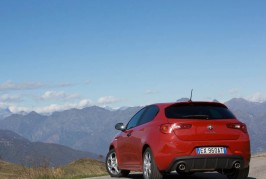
(191, 93)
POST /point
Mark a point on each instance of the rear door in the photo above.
(130, 144)
(127, 142)
(142, 130)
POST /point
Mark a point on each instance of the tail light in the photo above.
(239, 126)
(168, 128)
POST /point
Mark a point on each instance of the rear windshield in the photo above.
(198, 112)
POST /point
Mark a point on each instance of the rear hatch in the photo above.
(201, 121)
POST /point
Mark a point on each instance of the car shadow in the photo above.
(212, 175)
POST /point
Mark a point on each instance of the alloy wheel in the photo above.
(147, 165)
(112, 164)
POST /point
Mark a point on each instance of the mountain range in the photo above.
(89, 129)
(16, 149)
(92, 128)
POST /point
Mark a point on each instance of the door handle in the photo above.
(129, 134)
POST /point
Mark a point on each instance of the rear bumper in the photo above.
(206, 163)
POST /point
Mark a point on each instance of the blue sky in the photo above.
(59, 54)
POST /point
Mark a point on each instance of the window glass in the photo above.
(198, 112)
(135, 119)
(149, 114)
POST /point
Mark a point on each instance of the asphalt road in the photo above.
(257, 171)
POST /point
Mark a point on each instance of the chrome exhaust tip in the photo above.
(237, 165)
(181, 167)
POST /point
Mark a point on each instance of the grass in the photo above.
(84, 168)
(76, 170)
(9, 171)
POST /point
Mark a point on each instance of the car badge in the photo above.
(210, 127)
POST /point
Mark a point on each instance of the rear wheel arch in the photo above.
(111, 147)
(144, 148)
(147, 146)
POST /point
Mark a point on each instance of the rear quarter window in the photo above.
(135, 119)
(149, 114)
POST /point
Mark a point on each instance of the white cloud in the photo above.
(58, 95)
(10, 98)
(3, 105)
(54, 107)
(9, 85)
(16, 109)
(7, 100)
(108, 100)
(51, 108)
(257, 97)
(84, 103)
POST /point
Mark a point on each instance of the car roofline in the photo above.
(165, 105)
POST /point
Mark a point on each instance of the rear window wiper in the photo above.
(196, 117)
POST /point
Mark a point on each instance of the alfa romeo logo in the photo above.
(210, 127)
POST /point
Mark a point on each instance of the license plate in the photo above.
(211, 150)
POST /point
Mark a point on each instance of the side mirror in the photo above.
(120, 127)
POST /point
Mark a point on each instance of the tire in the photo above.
(150, 170)
(239, 174)
(112, 165)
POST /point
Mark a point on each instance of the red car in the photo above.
(186, 137)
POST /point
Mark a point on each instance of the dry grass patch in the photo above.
(75, 170)
(84, 168)
(259, 155)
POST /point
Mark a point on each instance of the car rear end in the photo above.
(202, 136)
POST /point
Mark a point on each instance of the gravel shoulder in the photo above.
(258, 167)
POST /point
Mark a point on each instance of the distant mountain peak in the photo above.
(241, 101)
(109, 108)
(5, 113)
(182, 100)
(33, 113)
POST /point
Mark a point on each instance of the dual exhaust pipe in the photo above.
(237, 165)
(182, 166)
